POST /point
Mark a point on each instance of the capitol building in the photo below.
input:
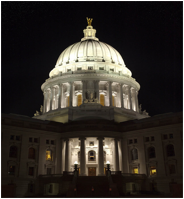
(91, 122)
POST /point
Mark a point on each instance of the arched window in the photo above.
(91, 156)
(104, 153)
(31, 153)
(13, 152)
(170, 150)
(151, 152)
(49, 155)
(79, 156)
(134, 154)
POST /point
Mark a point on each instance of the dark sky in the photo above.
(148, 35)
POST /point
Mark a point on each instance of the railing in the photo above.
(115, 172)
(50, 175)
(134, 175)
(66, 173)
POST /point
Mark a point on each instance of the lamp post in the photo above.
(108, 165)
(75, 165)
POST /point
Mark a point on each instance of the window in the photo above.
(11, 170)
(147, 139)
(47, 141)
(68, 70)
(91, 143)
(130, 141)
(49, 155)
(36, 140)
(104, 154)
(79, 68)
(102, 101)
(11, 137)
(134, 154)
(151, 152)
(135, 170)
(18, 138)
(49, 171)
(165, 137)
(90, 68)
(170, 136)
(30, 139)
(92, 156)
(170, 150)
(112, 69)
(32, 153)
(172, 169)
(153, 170)
(152, 138)
(79, 99)
(101, 68)
(31, 171)
(13, 152)
(52, 142)
(135, 141)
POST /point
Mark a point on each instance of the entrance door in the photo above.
(91, 171)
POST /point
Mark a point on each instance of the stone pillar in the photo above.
(116, 154)
(60, 95)
(82, 157)
(51, 98)
(121, 94)
(71, 94)
(44, 102)
(129, 97)
(97, 90)
(110, 93)
(136, 101)
(100, 157)
(67, 155)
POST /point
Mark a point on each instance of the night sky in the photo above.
(148, 35)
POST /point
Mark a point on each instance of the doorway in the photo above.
(91, 171)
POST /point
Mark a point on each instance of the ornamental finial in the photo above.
(89, 21)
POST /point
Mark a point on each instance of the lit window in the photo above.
(135, 170)
(92, 156)
(11, 170)
(153, 171)
(102, 102)
(79, 100)
(49, 155)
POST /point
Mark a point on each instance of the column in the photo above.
(67, 155)
(44, 102)
(108, 103)
(82, 157)
(60, 95)
(118, 96)
(116, 155)
(129, 97)
(121, 94)
(71, 94)
(54, 98)
(100, 156)
(136, 101)
(51, 97)
(83, 90)
(97, 90)
(110, 93)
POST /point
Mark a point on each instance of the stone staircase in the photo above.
(84, 185)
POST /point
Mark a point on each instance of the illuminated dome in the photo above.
(89, 49)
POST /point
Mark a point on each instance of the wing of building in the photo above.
(91, 137)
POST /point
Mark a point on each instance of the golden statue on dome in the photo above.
(89, 21)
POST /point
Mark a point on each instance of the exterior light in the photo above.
(75, 165)
(108, 165)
